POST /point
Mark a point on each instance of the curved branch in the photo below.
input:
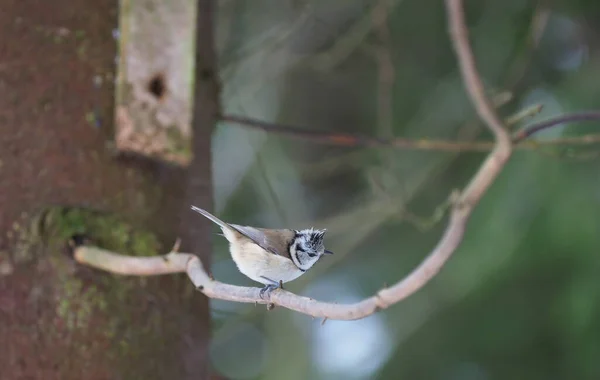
(497, 159)
(190, 264)
(485, 176)
(451, 239)
(553, 122)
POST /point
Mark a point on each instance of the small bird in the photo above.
(271, 256)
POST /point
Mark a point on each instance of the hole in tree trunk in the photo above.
(157, 86)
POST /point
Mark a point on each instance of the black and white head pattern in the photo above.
(307, 247)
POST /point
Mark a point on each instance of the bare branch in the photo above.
(387, 72)
(569, 118)
(356, 140)
(463, 204)
(353, 140)
(190, 264)
(497, 159)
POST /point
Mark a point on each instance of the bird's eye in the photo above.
(311, 254)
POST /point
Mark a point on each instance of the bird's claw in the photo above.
(270, 287)
(267, 291)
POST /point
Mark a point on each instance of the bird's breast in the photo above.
(256, 263)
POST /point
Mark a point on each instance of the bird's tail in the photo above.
(219, 222)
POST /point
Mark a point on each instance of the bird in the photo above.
(271, 257)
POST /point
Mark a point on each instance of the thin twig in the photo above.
(386, 70)
(344, 45)
(523, 114)
(349, 139)
(539, 21)
(356, 140)
(569, 118)
(463, 205)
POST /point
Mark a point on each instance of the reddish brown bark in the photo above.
(55, 122)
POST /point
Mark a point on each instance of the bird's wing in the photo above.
(274, 241)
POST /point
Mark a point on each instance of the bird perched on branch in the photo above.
(271, 256)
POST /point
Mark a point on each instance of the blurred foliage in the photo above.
(520, 298)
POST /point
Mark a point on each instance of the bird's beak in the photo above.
(327, 252)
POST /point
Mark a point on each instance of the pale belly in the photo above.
(255, 263)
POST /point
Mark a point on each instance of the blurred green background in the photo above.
(520, 299)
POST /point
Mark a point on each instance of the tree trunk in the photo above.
(57, 178)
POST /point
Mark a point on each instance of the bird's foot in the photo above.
(267, 291)
(270, 287)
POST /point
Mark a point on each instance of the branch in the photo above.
(569, 118)
(497, 159)
(386, 70)
(463, 205)
(190, 264)
(350, 139)
(356, 140)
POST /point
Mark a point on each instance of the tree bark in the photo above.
(58, 320)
